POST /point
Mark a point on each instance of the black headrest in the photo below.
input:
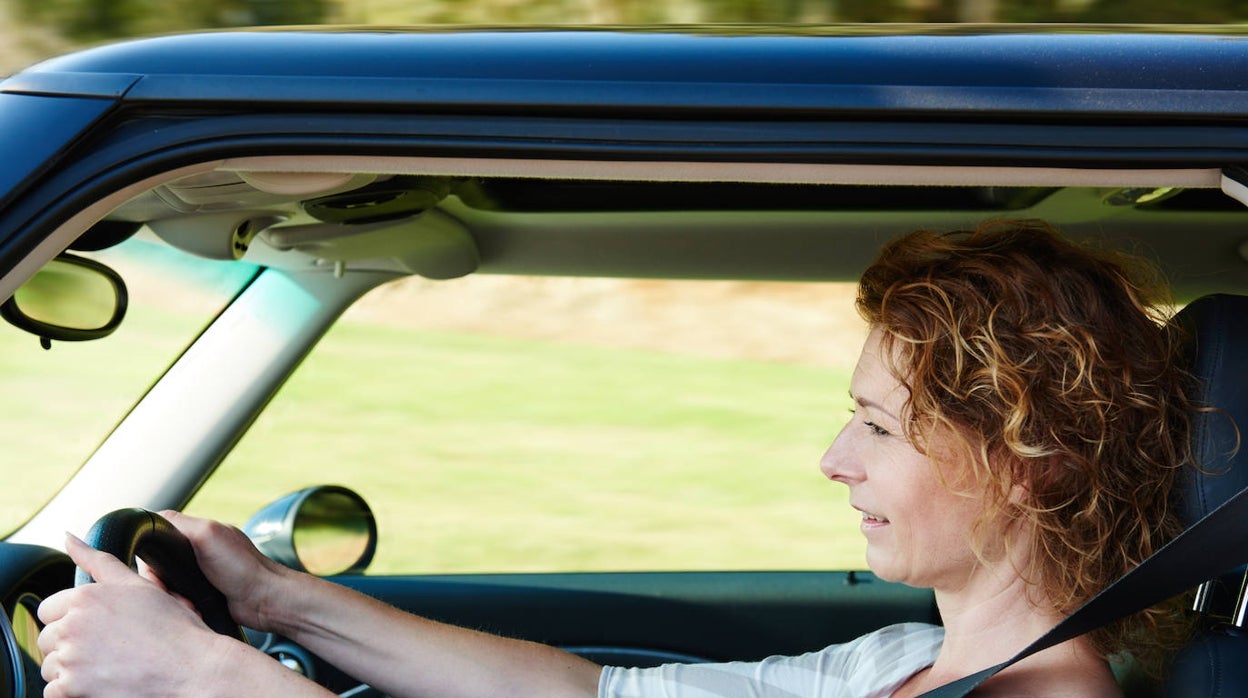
(1216, 352)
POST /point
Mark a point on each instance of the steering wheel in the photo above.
(12, 663)
(130, 533)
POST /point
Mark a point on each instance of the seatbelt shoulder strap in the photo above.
(1214, 545)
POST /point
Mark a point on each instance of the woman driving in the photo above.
(1018, 422)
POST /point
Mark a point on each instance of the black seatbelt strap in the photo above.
(1214, 545)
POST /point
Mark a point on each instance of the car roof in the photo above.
(1003, 72)
(755, 153)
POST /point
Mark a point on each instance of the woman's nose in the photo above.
(839, 462)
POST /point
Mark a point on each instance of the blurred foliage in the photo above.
(93, 19)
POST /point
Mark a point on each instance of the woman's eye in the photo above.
(876, 430)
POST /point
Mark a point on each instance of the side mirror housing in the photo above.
(325, 530)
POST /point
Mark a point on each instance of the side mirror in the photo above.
(70, 299)
(324, 530)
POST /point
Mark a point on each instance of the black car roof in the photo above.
(660, 153)
(1057, 72)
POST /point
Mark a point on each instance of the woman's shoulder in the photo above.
(891, 654)
(904, 638)
(1066, 671)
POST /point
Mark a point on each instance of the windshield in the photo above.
(60, 404)
(557, 424)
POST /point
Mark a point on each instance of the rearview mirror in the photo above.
(324, 530)
(70, 299)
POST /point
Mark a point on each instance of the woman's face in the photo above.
(917, 526)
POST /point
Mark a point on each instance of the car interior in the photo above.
(323, 230)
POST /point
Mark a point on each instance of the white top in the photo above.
(872, 666)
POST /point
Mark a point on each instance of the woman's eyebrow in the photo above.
(870, 404)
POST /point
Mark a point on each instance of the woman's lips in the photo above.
(872, 521)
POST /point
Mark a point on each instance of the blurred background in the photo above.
(35, 29)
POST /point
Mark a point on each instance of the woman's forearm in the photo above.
(405, 655)
(235, 669)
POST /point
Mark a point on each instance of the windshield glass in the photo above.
(61, 403)
(543, 424)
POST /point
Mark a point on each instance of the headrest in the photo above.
(1216, 352)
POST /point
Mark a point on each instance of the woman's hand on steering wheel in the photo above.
(92, 630)
(233, 565)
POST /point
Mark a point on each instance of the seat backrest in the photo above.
(1215, 663)
(1216, 351)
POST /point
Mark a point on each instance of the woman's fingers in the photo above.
(58, 683)
(102, 566)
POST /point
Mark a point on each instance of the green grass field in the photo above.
(484, 453)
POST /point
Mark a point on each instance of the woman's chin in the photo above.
(881, 567)
(887, 569)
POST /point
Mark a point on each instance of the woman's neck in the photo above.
(991, 618)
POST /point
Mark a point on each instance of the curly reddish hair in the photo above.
(1052, 366)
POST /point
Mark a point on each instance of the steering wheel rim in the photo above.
(12, 663)
(128, 534)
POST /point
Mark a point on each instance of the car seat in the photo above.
(1215, 662)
